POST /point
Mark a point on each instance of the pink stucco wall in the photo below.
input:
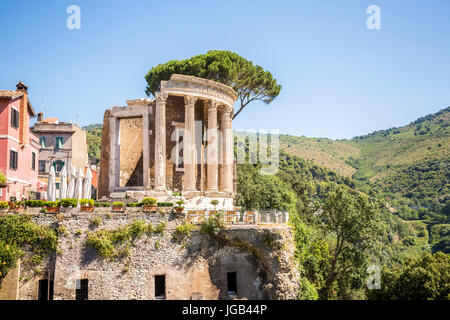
(24, 179)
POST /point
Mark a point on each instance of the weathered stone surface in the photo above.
(194, 267)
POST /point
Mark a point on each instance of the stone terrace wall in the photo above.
(195, 268)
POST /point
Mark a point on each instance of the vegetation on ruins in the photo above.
(19, 233)
(113, 244)
(402, 175)
(183, 231)
(251, 82)
(213, 225)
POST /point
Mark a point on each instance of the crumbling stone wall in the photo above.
(195, 267)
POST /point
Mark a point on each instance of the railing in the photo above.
(237, 217)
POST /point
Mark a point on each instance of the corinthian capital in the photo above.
(189, 100)
(160, 97)
(212, 104)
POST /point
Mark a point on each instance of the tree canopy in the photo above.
(251, 82)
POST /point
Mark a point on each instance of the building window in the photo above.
(160, 287)
(13, 155)
(81, 292)
(58, 165)
(33, 161)
(232, 282)
(43, 141)
(45, 291)
(41, 165)
(59, 141)
(14, 118)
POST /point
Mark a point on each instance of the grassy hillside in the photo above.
(407, 163)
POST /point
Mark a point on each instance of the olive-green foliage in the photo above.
(165, 204)
(4, 204)
(96, 221)
(9, 254)
(86, 202)
(118, 204)
(423, 278)
(66, 203)
(149, 201)
(112, 244)
(212, 226)
(52, 204)
(259, 192)
(102, 204)
(17, 232)
(34, 203)
(2, 178)
(94, 142)
(251, 82)
(183, 230)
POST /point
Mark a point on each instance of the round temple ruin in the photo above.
(181, 141)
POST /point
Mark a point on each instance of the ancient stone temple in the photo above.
(179, 141)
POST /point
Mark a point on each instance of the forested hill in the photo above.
(408, 165)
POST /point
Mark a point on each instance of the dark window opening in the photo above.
(232, 282)
(13, 160)
(59, 142)
(33, 161)
(43, 142)
(14, 118)
(160, 287)
(45, 291)
(41, 165)
(81, 291)
(58, 165)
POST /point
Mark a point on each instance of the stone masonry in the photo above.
(194, 268)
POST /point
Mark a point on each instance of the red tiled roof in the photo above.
(11, 94)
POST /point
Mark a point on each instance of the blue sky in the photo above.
(339, 78)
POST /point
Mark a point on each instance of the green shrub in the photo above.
(2, 178)
(112, 244)
(34, 203)
(149, 201)
(132, 204)
(102, 204)
(160, 228)
(176, 193)
(214, 202)
(51, 204)
(212, 225)
(4, 204)
(118, 204)
(66, 203)
(86, 202)
(165, 204)
(96, 221)
(183, 230)
(17, 231)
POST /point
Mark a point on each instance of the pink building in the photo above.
(19, 147)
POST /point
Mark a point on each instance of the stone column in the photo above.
(160, 142)
(212, 151)
(189, 148)
(114, 155)
(226, 168)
